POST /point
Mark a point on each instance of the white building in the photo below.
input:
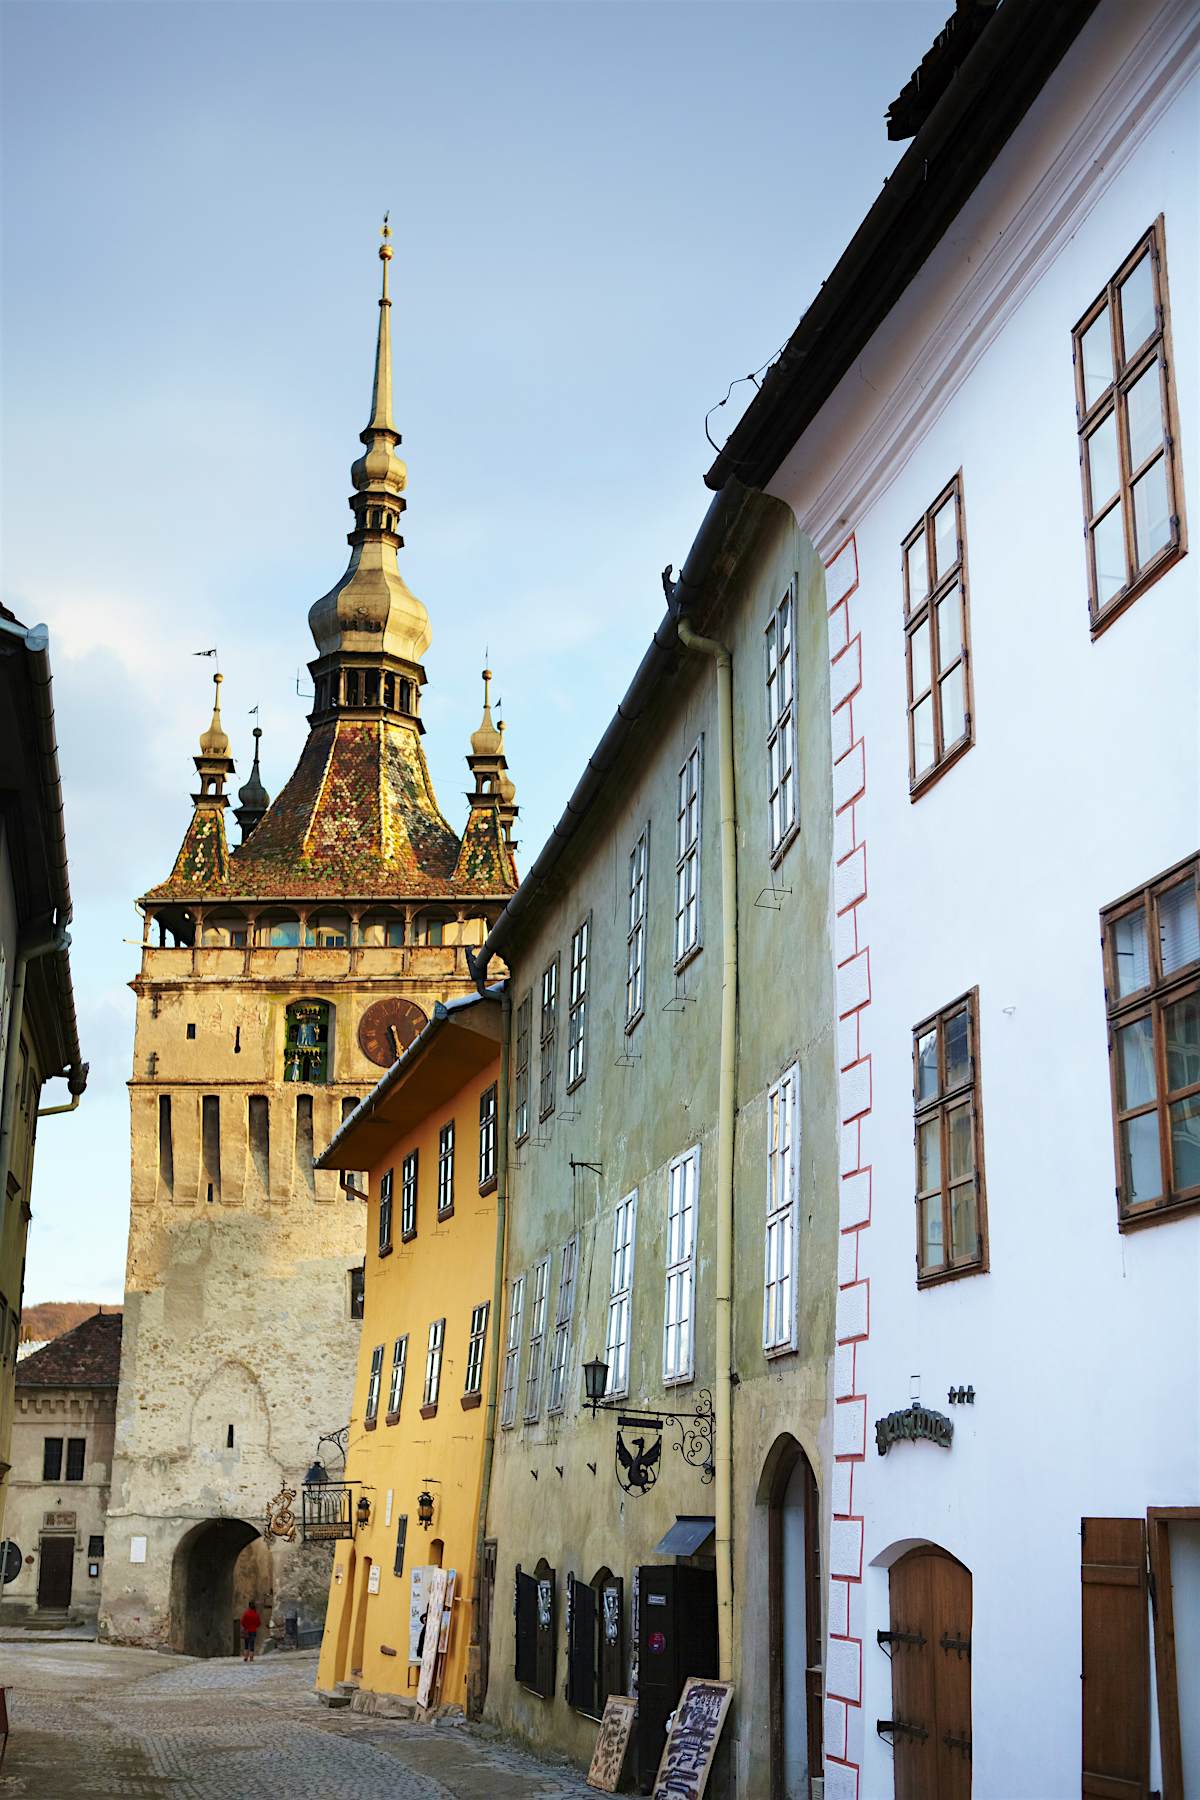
(1047, 1307)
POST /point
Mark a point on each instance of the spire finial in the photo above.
(214, 742)
(486, 741)
(254, 796)
(381, 392)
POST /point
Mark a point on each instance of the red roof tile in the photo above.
(87, 1356)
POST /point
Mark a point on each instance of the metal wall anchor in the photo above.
(960, 1645)
(953, 1741)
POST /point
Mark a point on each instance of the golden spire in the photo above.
(214, 763)
(214, 742)
(381, 391)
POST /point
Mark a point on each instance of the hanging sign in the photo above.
(914, 1422)
(692, 1740)
(281, 1520)
(637, 1466)
(608, 1760)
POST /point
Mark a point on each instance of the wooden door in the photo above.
(1116, 1660)
(930, 1645)
(56, 1567)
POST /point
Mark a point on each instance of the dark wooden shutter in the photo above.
(581, 1645)
(544, 1680)
(527, 1632)
(612, 1648)
(401, 1536)
(1116, 1660)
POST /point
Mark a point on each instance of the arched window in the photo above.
(371, 688)
(306, 1041)
(595, 1650)
(279, 931)
(328, 931)
(406, 696)
(351, 687)
(226, 930)
(389, 692)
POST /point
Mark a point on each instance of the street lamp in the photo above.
(317, 1476)
(425, 1508)
(595, 1381)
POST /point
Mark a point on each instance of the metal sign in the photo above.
(326, 1512)
(914, 1422)
(637, 1466)
(281, 1520)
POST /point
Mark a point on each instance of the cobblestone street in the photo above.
(91, 1720)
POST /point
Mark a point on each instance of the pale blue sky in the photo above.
(604, 212)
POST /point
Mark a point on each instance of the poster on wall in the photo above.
(692, 1740)
(373, 1579)
(608, 1760)
(436, 1600)
(418, 1594)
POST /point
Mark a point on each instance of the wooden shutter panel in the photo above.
(1116, 1660)
(527, 1632)
(581, 1647)
(544, 1637)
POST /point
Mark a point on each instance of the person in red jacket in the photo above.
(250, 1627)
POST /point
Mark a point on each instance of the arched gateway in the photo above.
(220, 1565)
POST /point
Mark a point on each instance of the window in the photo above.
(52, 1458)
(524, 1033)
(408, 1197)
(594, 1651)
(306, 1041)
(385, 1212)
(1152, 982)
(949, 1142)
(487, 1139)
(433, 1366)
(678, 1325)
(445, 1185)
(1125, 405)
(358, 1291)
(396, 1384)
(476, 1344)
(76, 1448)
(936, 641)
(781, 726)
(328, 931)
(620, 1294)
(783, 1185)
(687, 857)
(537, 1337)
(577, 1006)
(373, 1381)
(635, 966)
(512, 1351)
(95, 1546)
(549, 1035)
(560, 1349)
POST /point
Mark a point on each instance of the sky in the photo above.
(604, 214)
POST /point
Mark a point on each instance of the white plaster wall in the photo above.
(1083, 1344)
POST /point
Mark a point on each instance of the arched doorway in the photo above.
(220, 1565)
(794, 1622)
(929, 1641)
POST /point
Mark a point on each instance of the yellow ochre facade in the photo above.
(428, 1134)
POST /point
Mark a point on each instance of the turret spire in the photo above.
(214, 762)
(254, 796)
(381, 392)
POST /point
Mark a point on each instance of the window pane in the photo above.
(918, 570)
(1151, 513)
(929, 1155)
(1138, 317)
(920, 659)
(949, 624)
(1096, 349)
(1136, 1085)
(1178, 926)
(1104, 469)
(962, 1159)
(1185, 1142)
(923, 735)
(1143, 411)
(927, 1078)
(1131, 952)
(954, 706)
(933, 1252)
(945, 537)
(1140, 1167)
(1181, 1028)
(1108, 546)
(964, 1221)
(958, 1048)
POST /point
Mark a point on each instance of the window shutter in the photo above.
(544, 1634)
(526, 1618)
(581, 1650)
(1116, 1660)
(611, 1626)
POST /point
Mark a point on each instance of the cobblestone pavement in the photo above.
(96, 1721)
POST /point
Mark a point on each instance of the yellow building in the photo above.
(425, 1389)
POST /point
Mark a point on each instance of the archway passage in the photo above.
(930, 1646)
(219, 1566)
(794, 1588)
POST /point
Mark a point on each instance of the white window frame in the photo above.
(782, 811)
(476, 1346)
(433, 1361)
(577, 1004)
(618, 1335)
(782, 1240)
(386, 1183)
(512, 1352)
(445, 1181)
(635, 961)
(488, 1109)
(679, 1295)
(539, 1301)
(548, 1040)
(563, 1313)
(522, 1064)
(688, 815)
(409, 1171)
(399, 1371)
(374, 1380)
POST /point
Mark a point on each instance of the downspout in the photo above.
(489, 1421)
(57, 939)
(723, 1381)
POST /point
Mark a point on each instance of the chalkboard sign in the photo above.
(692, 1740)
(620, 1710)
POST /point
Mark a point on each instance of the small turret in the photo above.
(254, 796)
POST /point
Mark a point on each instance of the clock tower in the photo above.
(278, 979)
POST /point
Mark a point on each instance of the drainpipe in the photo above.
(56, 939)
(723, 1384)
(489, 1422)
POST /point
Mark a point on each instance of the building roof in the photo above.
(87, 1356)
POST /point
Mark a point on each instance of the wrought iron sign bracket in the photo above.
(637, 1459)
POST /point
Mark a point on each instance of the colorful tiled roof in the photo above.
(484, 856)
(87, 1356)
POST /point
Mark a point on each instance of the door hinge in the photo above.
(960, 1645)
(917, 1638)
(956, 1741)
(902, 1727)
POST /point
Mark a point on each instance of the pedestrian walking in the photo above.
(250, 1628)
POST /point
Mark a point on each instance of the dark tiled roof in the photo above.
(87, 1356)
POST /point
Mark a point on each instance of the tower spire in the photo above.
(254, 796)
(381, 391)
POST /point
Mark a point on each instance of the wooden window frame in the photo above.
(539, 1307)
(921, 612)
(548, 1039)
(680, 1275)
(75, 1457)
(476, 1351)
(488, 1117)
(577, 1003)
(618, 1328)
(782, 1221)
(397, 1379)
(782, 742)
(386, 1181)
(522, 1056)
(564, 1310)
(374, 1383)
(1159, 1519)
(1150, 1001)
(434, 1350)
(410, 1173)
(512, 1353)
(940, 1107)
(1127, 371)
(689, 817)
(445, 1174)
(635, 955)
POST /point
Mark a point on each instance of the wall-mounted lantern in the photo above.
(638, 1456)
(425, 1508)
(595, 1381)
(362, 1511)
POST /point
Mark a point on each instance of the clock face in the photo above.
(387, 1028)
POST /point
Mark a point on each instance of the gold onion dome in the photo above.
(214, 742)
(486, 741)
